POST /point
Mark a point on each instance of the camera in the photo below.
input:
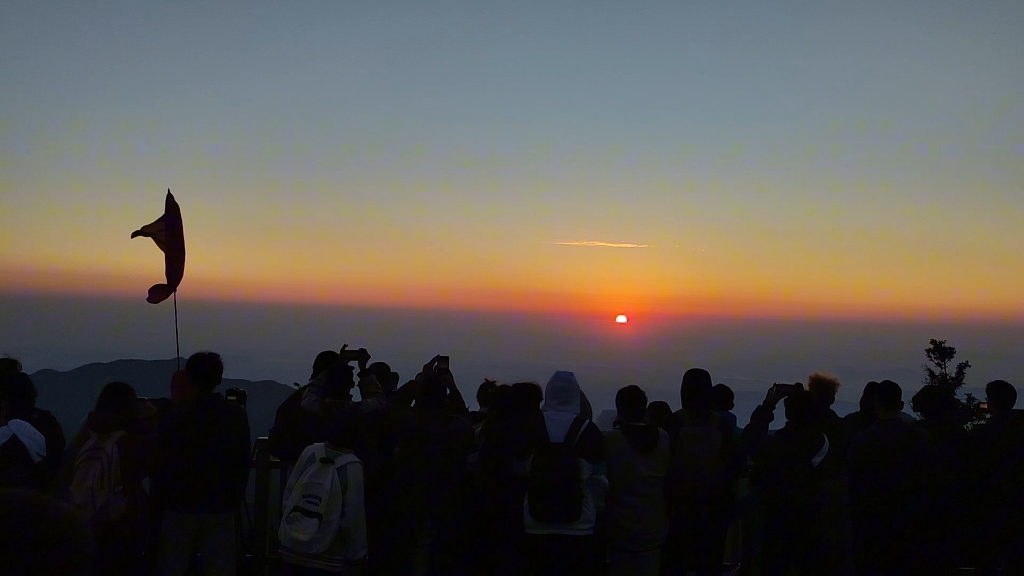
(442, 364)
(236, 395)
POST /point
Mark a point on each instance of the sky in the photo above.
(736, 159)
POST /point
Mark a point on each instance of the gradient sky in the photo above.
(766, 158)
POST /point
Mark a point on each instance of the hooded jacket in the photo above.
(562, 405)
(638, 460)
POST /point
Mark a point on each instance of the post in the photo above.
(260, 515)
(177, 348)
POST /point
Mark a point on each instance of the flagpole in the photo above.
(177, 348)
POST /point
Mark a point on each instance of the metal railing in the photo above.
(262, 546)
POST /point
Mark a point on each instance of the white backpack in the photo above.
(96, 488)
(315, 504)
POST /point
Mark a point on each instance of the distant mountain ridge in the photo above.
(72, 394)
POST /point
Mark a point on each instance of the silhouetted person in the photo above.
(9, 365)
(513, 429)
(565, 483)
(944, 535)
(109, 461)
(824, 389)
(204, 448)
(23, 448)
(638, 460)
(484, 397)
(659, 413)
(865, 416)
(332, 388)
(42, 537)
(21, 394)
(700, 486)
(339, 544)
(433, 439)
(723, 400)
(295, 427)
(386, 377)
(794, 474)
(996, 465)
(891, 466)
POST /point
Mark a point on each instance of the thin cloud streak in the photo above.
(600, 244)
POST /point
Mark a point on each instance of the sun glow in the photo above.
(621, 319)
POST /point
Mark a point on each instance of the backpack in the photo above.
(315, 504)
(17, 468)
(555, 487)
(96, 488)
(294, 428)
(697, 459)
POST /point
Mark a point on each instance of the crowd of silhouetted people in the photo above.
(408, 480)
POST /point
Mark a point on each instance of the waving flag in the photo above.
(170, 238)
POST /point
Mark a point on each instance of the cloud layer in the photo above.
(600, 244)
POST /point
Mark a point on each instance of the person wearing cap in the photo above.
(891, 467)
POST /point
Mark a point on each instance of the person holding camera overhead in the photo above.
(204, 445)
(433, 437)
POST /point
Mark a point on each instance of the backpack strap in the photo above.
(575, 431)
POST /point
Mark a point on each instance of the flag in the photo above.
(170, 238)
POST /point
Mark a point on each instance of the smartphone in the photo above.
(787, 389)
(983, 406)
(349, 355)
(442, 363)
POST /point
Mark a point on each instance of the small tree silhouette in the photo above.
(941, 357)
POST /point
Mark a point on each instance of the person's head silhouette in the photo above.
(934, 403)
(205, 371)
(118, 403)
(1001, 397)
(823, 389)
(631, 405)
(659, 413)
(17, 396)
(9, 365)
(722, 398)
(888, 400)
(800, 407)
(387, 378)
(695, 390)
(485, 394)
(867, 397)
(323, 361)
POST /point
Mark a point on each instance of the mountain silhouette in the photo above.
(71, 395)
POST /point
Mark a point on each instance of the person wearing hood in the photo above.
(638, 459)
(566, 480)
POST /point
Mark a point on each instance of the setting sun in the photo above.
(621, 319)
